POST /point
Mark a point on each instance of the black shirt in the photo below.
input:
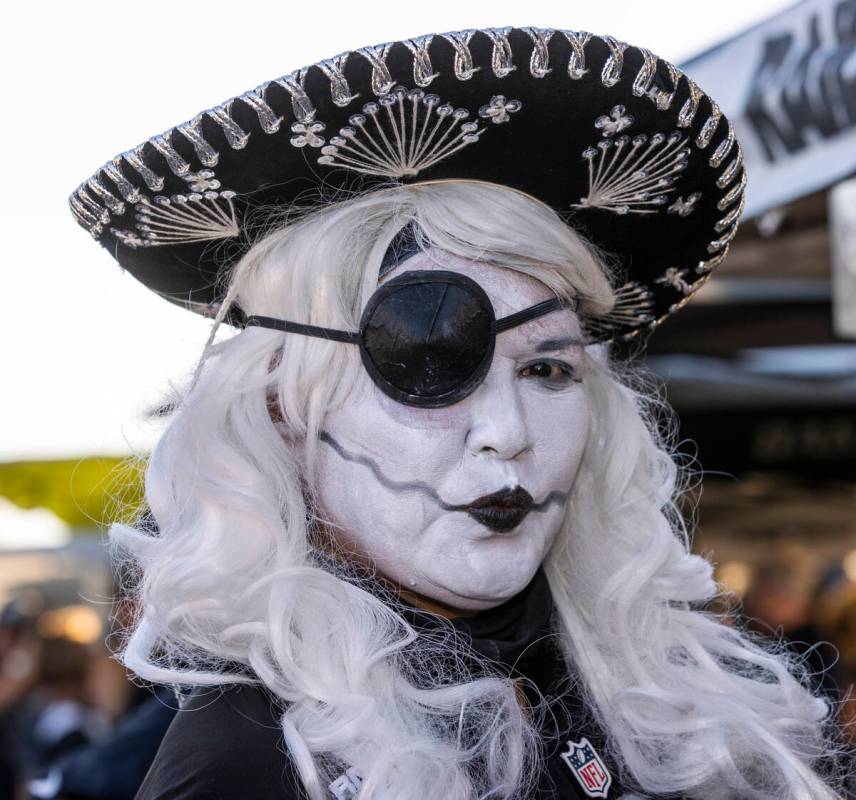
(226, 743)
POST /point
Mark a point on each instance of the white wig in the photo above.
(233, 578)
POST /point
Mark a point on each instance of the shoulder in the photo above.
(224, 744)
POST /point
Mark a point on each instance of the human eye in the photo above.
(550, 373)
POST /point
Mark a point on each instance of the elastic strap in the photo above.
(538, 310)
(285, 326)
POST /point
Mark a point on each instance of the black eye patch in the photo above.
(426, 337)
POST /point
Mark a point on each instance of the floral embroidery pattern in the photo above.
(307, 134)
(634, 175)
(499, 108)
(683, 208)
(405, 132)
(675, 278)
(205, 214)
(616, 122)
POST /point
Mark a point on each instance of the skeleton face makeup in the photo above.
(461, 503)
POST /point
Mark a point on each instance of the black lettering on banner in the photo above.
(800, 95)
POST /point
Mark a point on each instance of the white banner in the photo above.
(788, 86)
(842, 228)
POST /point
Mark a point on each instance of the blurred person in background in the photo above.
(780, 602)
(113, 764)
(44, 709)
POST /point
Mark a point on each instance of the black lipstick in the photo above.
(501, 511)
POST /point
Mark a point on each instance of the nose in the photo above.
(498, 423)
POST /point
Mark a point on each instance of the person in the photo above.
(418, 532)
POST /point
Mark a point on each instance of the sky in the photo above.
(86, 350)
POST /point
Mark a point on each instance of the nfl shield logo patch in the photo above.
(588, 768)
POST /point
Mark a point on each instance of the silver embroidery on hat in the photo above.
(382, 82)
(127, 189)
(730, 172)
(634, 175)
(709, 127)
(235, 135)
(683, 208)
(616, 121)
(676, 278)
(192, 132)
(690, 107)
(644, 80)
(634, 305)
(302, 106)
(501, 60)
(204, 214)
(539, 61)
(577, 61)
(611, 72)
(423, 72)
(463, 65)
(255, 99)
(498, 109)
(307, 134)
(405, 132)
(663, 99)
(334, 69)
(733, 193)
(174, 161)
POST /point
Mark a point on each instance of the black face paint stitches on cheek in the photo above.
(556, 497)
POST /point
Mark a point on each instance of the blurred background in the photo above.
(761, 366)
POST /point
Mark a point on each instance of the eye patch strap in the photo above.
(307, 330)
(538, 310)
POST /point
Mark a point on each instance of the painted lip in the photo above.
(501, 511)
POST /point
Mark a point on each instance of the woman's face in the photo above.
(461, 504)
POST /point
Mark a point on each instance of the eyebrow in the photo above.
(549, 345)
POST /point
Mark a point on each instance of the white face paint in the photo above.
(388, 472)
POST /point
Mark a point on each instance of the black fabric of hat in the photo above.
(619, 142)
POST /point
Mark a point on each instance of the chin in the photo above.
(485, 590)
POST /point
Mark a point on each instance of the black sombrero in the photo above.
(618, 141)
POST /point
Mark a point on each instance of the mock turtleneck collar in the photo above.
(514, 633)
